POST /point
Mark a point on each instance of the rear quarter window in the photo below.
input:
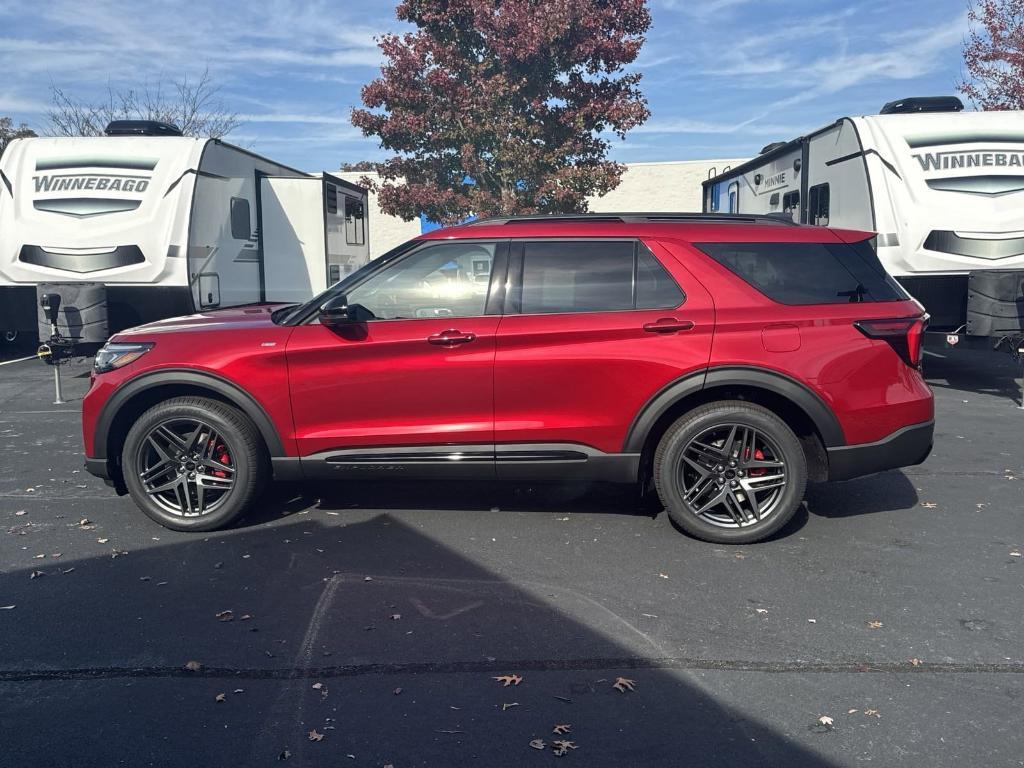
(809, 273)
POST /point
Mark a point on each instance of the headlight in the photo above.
(118, 355)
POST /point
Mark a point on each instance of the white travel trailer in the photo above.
(944, 190)
(170, 225)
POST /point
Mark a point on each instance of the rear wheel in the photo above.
(730, 472)
(193, 464)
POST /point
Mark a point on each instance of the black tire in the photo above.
(232, 485)
(690, 473)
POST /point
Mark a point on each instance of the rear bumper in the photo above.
(903, 448)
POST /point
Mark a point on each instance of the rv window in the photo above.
(331, 198)
(791, 202)
(355, 222)
(240, 223)
(817, 205)
(809, 273)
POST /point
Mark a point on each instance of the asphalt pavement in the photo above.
(365, 625)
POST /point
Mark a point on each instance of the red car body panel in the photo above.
(556, 378)
(350, 391)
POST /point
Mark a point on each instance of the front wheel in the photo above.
(193, 464)
(730, 472)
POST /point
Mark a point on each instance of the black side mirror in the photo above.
(338, 312)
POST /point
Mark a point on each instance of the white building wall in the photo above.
(669, 187)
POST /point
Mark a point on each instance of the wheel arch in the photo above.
(137, 395)
(810, 418)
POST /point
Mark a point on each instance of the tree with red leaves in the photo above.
(504, 106)
(994, 55)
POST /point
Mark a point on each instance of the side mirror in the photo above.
(337, 311)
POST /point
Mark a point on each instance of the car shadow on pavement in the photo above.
(971, 371)
(885, 492)
(318, 641)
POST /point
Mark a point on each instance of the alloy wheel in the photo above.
(186, 467)
(732, 475)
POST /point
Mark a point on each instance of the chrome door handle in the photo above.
(668, 325)
(451, 337)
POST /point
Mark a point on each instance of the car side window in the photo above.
(655, 288)
(444, 280)
(593, 276)
(561, 276)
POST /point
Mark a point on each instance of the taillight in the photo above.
(903, 334)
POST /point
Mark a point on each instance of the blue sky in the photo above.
(723, 77)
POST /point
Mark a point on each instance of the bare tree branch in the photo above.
(195, 107)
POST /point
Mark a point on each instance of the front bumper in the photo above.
(903, 448)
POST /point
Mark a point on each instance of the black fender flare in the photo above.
(747, 376)
(169, 376)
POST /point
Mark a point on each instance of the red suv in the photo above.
(725, 359)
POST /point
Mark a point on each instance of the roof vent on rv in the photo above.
(923, 104)
(141, 128)
(772, 147)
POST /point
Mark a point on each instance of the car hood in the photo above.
(244, 317)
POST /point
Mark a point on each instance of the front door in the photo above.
(418, 373)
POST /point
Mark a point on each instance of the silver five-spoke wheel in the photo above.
(185, 466)
(732, 475)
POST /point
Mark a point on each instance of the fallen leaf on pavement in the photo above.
(220, 697)
(314, 736)
(623, 684)
(871, 713)
(509, 706)
(397, 691)
(396, 616)
(875, 624)
(7, 607)
(317, 686)
(20, 512)
(560, 729)
(537, 744)
(663, 575)
(84, 521)
(826, 721)
(285, 754)
(852, 711)
(915, 662)
(193, 666)
(761, 610)
(1015, 553)
(929, 504)
(507, 680)
(37, 574)
(226, 616)
(102, 541)
(561, 747)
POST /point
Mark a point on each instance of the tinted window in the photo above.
(240, 218)
(331, 198)
(818, 205)
(655, 288)
(445, 280)
(577, 277)
(355, 222)
(809, 273)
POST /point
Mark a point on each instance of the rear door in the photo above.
(592, 330)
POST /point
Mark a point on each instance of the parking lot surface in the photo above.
(365, 625)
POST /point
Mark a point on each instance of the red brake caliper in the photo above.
(759, 455)
(220, 453)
